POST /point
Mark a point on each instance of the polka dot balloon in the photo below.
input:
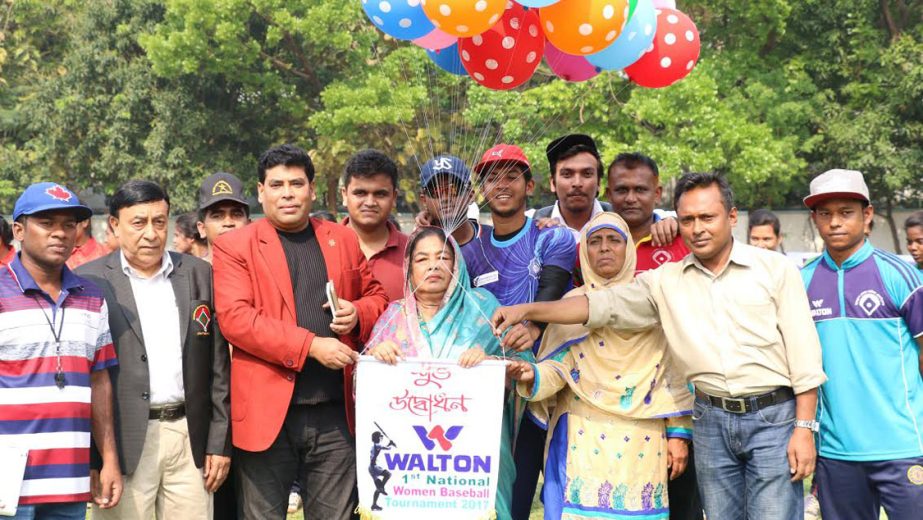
(435, 40)
(537, 3)
(569, 67)
(464, 18)
(402, 19)
(635, 40)
(507, 55)
(448, 59)
(673, 54)
(582, 27)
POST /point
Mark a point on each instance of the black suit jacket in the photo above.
(206, 363)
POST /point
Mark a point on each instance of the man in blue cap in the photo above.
(54, 387)
(445, 193)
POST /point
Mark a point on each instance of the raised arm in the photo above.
(626, 307)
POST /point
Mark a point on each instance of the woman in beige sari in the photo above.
(618, 416)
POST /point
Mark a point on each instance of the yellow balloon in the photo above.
(464, 18)
(584, 27)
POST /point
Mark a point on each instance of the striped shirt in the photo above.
(52, 423)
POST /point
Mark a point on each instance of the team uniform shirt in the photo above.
(650, 257)
(52, 423)
(89, 251)
(510, 269)
(867, 313)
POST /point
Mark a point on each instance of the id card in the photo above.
(13, 461)
(486, 278)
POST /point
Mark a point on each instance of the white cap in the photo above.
(837, 184)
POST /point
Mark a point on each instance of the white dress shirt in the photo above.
(159, 317)
(556, 213)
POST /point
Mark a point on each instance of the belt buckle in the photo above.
(167, 413)
(734, 404)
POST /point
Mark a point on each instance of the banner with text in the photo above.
(428, 438)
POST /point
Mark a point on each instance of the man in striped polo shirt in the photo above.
(55, 347)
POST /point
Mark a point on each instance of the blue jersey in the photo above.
(868, 313)
(510, 269)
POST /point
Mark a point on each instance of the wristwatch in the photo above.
(814, 426)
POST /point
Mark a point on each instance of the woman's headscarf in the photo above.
(627, 374)
(462, 322)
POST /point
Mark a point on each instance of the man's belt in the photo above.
(169, 412)
(748, 404)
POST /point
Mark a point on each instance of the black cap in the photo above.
(219, 187)
(562, 144)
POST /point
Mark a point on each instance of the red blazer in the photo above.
(255, 307)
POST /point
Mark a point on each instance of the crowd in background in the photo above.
(658, 368)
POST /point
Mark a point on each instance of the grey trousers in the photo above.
(315, 447)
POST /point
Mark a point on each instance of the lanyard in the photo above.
(59, 379)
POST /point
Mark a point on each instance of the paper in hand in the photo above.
(13, 461)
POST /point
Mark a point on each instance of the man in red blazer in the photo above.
(291, 368)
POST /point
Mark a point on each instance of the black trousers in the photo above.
(315, 447)
(685, 503)
(528, 455)
(226, 497)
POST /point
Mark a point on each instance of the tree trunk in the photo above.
(889, 216)
(332, 185)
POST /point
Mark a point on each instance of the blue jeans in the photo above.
(62, 511)
(741, 462)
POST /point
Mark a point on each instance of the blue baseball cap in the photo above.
(47, 196)
(445, 165)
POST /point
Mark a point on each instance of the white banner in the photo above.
(428, 438)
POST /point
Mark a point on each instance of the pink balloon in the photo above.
(436, 40)
(567, 66)
(664, 4)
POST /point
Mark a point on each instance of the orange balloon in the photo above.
(464, 18)
(583, 27)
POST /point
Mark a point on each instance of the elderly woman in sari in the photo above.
(443, 317)
(618, 416)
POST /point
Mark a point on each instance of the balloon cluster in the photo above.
(500, 43)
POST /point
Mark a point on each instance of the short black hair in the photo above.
(186, 223)
(285, 155)
(324, 215)
(914, 220)
(201, 214)
(691, 181)
(368, 163)
(764, 217)
(577, 150)
(6, 232)
(632, 160)
(136, 192)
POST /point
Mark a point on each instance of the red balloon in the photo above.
(672, 55)
(507, 55)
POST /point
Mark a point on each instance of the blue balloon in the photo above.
(636, 38)
(538, 3)
(448, 60)
(402, 19)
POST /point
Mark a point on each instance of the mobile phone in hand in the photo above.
(332, 297)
